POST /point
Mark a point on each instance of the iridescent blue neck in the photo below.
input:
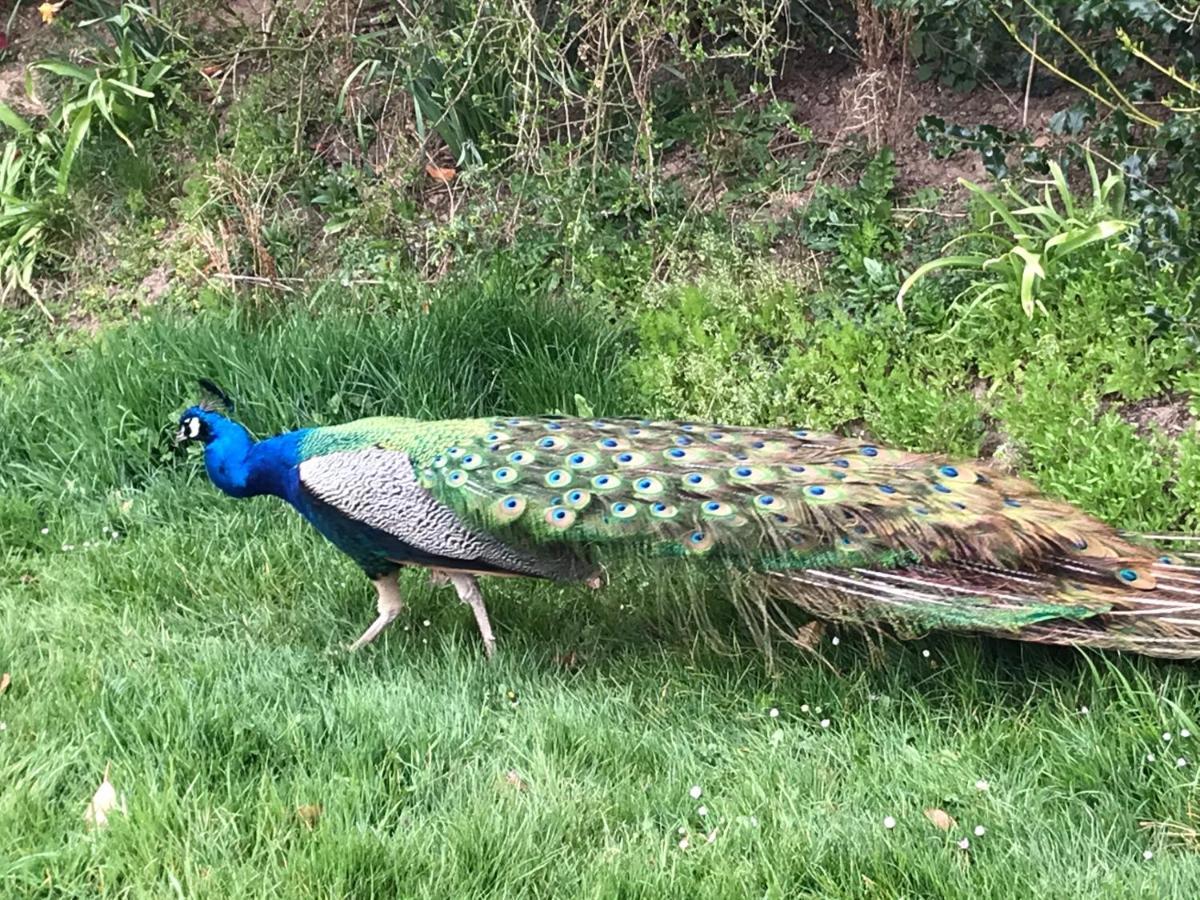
(243, 467)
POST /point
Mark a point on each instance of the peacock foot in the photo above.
(467, 587)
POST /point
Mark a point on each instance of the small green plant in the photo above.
(120, 89)
(945, 139)
(1033, 237)
(36, 163)
(32, 202)
(337, 196)
(858, 224)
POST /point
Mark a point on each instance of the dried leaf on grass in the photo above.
(808, 636)
(309, 814)
(443, 175)
(940, 818)
(104, 804)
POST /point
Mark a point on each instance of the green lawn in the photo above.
(199, 653)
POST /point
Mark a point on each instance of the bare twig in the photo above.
(1029, 82)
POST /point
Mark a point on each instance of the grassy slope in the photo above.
(201, 654)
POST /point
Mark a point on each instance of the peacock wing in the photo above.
(377, 490)
(667, 488)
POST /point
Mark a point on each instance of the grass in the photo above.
(200, 655)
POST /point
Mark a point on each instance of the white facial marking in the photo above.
(193, 425)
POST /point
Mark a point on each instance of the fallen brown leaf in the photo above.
(5, 681)
(309, 814)
(940, 818)
(104, 802)
(514, 780)
(808, 636)
(445, 176)
(49, 11)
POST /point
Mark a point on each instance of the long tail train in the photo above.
(1061, 602)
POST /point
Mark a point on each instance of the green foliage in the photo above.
(859, 225)
(496, 83)
(965, 43)
(147, 30)
(337, 196)
(259, 137)
(1164, 173)
(835, 210)
(1034, 236)
(124, 90)
(709, 343)
(947, 139)
(32, 211)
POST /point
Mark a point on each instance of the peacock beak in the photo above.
(181, 436)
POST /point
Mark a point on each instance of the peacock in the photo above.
(800, 521)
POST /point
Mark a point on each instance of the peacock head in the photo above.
(205, 421)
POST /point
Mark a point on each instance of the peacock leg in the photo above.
(469, 593)
(389, 606)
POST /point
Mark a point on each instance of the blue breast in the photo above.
(355, 540)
